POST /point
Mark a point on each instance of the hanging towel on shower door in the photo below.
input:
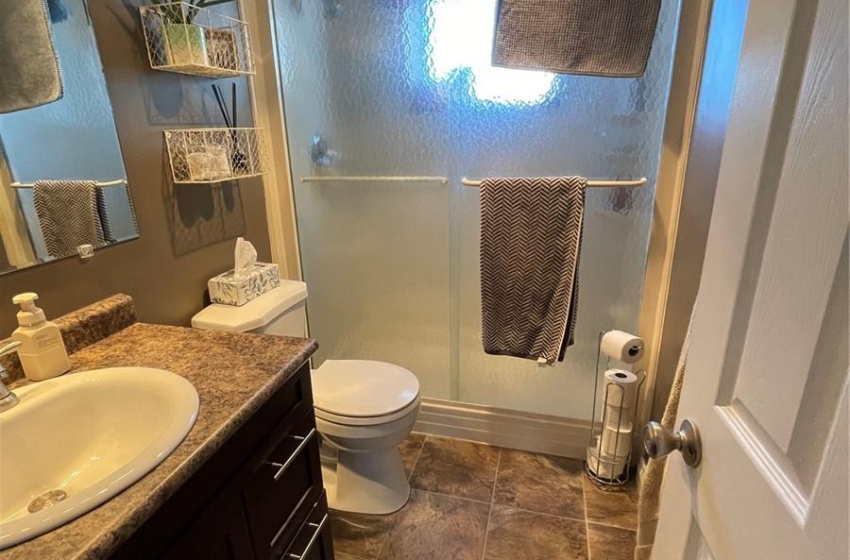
(592, 37)
(70, 214)
(531, 233)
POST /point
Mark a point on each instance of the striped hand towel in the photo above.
(530, 244)
(71, 213)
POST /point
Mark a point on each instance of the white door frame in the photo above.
(267, 104)
(679, 133)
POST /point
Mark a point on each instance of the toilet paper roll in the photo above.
(604, 467)
(616, 443)
(620, 388)
(617, 418)
(622, 346)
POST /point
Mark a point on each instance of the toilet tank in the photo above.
(280, 311)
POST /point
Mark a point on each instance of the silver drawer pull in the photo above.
(318, 526)
(281, 468)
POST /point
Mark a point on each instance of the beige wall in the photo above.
(186, 231)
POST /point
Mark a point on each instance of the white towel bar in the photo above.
(598, 183)
(97, 184)
(374, 179)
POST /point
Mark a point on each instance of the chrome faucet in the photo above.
(8, 399)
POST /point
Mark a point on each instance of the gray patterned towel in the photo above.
(28, 65)
(593, 37)
(530, 244)
(70, 213)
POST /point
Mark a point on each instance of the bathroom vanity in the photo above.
(259, 496)
(246, 481)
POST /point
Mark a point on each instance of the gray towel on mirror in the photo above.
(531, 232)
(28, 64)
(592, 37)
(70, 214)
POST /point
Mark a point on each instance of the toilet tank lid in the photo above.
(257, 313)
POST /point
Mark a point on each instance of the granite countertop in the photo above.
(234, 374)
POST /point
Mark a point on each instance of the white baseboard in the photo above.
(505, 428)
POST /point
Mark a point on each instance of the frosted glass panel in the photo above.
(375, 255)
(406, 88)
(591, 126)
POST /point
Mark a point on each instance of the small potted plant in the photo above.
(185, 42)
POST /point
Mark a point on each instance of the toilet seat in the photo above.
(367, 420)
(363, 392)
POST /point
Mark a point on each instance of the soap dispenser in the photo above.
(42, 352)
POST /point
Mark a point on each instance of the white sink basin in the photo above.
(86, 435)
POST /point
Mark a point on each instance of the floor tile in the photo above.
(514, 534)
(410, 449)
(457, 468)
(344, 556)
(611, 508)
(359, 535)
(433, 526)
(610, 543)
(540, 483)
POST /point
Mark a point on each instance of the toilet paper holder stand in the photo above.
(609, 451)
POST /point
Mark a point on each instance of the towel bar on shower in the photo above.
(374, 179)
(97, 184)
(598, 183)
(444, 180)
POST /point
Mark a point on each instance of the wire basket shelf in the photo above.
(189, 40)
(213, 155)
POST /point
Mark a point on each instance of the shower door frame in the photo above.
(477, 422)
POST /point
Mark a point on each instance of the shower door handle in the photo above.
(320, 153)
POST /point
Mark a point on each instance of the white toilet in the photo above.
(364, 409)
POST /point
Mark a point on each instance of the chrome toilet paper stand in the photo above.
(598, 463)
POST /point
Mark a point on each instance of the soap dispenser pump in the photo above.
(42, 352)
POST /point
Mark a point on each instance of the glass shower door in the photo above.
(404, 88)
(375, 255)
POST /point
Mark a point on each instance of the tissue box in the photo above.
(228, 290)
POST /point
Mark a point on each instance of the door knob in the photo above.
(659, 442)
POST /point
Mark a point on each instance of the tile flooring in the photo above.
(476, 502)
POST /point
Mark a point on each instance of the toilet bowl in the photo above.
(364, 409)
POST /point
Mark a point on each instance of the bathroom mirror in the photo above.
(72, 139)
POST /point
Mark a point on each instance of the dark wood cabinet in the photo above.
(313, 541)
(260, 497)
(219, 533)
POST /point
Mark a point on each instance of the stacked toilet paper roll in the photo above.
(620, 388)
(609, 454)
(604, 466)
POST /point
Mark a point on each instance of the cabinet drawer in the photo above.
(313, 541)
(283, 484)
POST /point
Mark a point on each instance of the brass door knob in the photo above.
(659, 442)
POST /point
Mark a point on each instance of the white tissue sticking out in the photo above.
(244, 258)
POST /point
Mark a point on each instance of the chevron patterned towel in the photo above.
(530, 244)
(70, 213)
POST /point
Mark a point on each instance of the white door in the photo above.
(767, 376)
